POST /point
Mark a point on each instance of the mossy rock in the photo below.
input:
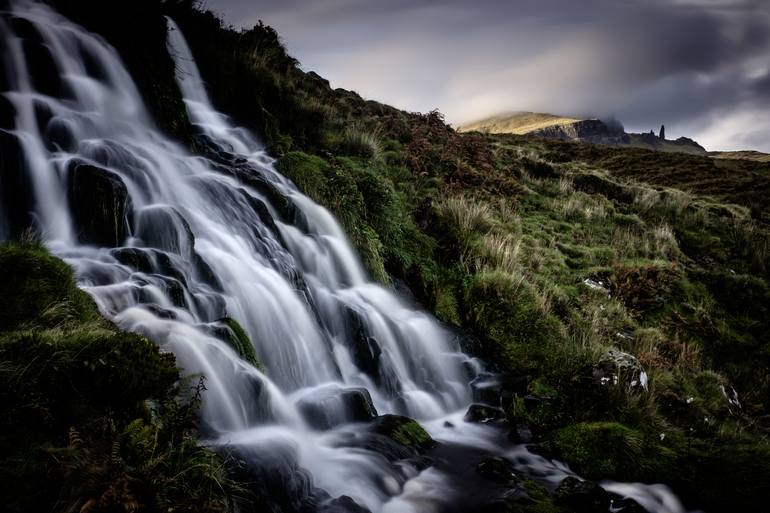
(37, 287)
(239, 340)
(404, 431)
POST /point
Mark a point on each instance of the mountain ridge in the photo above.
(594, 131)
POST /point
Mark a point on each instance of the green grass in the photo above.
(84, 427)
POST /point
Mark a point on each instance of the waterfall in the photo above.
(183, 242)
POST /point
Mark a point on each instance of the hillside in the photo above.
(741, 155)
(519, 123)
(594, 131)
(618, 297)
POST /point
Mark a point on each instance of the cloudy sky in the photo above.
(701, 67)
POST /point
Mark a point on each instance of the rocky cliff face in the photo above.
(587, 130)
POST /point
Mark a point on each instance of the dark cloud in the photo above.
(702, 67)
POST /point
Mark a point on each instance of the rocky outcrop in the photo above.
(588, 130)
(100, 205)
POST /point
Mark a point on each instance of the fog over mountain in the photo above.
(699, 66)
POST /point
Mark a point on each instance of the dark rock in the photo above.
(164, 228)
(403, 431)
(135, 258)
(45, 74)
(587, 130)
(343, 504)
(626, 505)
(7, 112)
(330, 406)
(59, 135)
(583, 496)
(483, 413)
(99, 203)
(619, 368)
(17, 201)
(520, 433)
(498, 389)
(368, 356)
(496, 469)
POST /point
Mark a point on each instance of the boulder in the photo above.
(343, 504)
(496, 469)
(582, 496)
(99, 203)
(163, 227)
(331, 406)
(404, 431)
(17, 201)
(483, 413)
(619, 368)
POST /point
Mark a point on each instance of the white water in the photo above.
(294, 284)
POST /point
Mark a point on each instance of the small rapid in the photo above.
(173, 245)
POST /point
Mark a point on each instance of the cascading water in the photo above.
(183, 242)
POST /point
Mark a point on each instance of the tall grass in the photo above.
(359, 141)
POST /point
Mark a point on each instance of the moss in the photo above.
(308, 173)
(404, 431)
(240, 342)
(505, 311)
(38, 286)
(92, 414)
(598, 450)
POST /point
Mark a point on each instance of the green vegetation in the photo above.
(240, 342)
(559, 257)
(84, 427)
(577, 266)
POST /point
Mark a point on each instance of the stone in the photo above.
(619, 368)
(483, 413)
(16, 190)
(331, 406)
(404, 431)
(99, 203)
(164, 228)
(496, 469)
(582, 496)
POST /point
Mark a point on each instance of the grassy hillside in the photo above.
(741, 155)
(519, 123)
(84, 428)
(573, 267)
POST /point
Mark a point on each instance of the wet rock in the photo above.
(368, 355)
(496, 469)
(7, 111)
(164, 228)
(16, 190)
(626, 505)
(59, 135)
(582, 496)
(520, 433)
(331, 406)
(483, 413)
(497, 389)
(204, 273)
(135, 258)
(343, 504)
(404, 431)
(45, 74)
(619, 368)
(99, 203)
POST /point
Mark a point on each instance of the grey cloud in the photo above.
(699, 66)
